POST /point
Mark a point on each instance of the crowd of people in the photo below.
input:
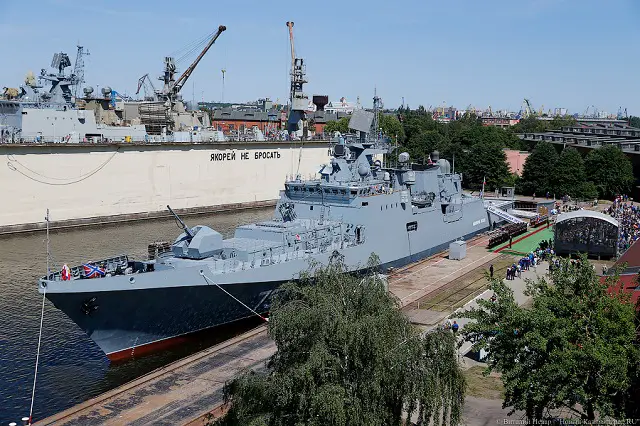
(545, 252)
(628, 216)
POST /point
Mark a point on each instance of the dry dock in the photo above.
(183, 392)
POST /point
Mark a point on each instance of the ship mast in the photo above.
(375, 123)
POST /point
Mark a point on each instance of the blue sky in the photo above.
(557, 53)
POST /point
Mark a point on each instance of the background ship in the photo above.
(364, 202)
(55, 107)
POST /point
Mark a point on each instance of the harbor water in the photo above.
(72, 369)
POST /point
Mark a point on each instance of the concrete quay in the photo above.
(184, 392)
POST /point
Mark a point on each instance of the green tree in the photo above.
(392, 127)
(573, 348)
(422, 144)
(346, 355)
(634, 121)
(610, 170)
(485, 160)
(568, 175)
(341, 126)
(536, 172)
(534, 124)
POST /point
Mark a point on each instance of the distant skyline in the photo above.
(558, 53)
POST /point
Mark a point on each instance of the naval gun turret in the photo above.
(198, 242)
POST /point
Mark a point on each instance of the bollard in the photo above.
(25, 421)
(13, 424)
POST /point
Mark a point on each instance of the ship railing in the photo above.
(111, 265)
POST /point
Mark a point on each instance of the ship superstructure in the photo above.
(360, 204)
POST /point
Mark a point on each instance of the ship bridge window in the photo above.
(354, 192)
(343, 191)
(335, 191)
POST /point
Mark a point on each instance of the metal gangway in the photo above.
(503, 214)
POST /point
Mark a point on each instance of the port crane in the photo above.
(172, 87)
(298, 100)
(150, 92)
(528, 109)
(161, 116)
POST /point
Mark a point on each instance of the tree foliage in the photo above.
(341, 126)
(486, 159)
(533, 124)
(536, 172)
(574, 348)
(634, 121)
(569, 177)
(392, 127)
(610, 170)
(346, 355)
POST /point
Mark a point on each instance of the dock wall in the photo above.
(85, 184)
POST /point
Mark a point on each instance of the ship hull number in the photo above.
(257, 155)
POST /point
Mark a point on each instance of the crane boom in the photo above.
(143, 81)
(185, 76)
(293, 54)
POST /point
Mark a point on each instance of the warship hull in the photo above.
(127, 323)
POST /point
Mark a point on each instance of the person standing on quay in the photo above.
(491, 271)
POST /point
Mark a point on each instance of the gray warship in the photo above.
(366, 200)
(56, 107)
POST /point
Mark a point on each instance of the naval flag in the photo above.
(92, 271)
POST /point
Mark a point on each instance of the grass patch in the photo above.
(481, 386)
(529, 242)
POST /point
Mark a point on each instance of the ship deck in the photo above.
(187, 391)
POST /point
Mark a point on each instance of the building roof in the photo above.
(245, 115)
(627, 283)
(586, 213)
(631, 257)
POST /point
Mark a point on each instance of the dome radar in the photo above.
(404, 157)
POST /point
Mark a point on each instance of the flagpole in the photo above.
(484, 178)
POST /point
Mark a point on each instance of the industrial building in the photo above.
(623, 136)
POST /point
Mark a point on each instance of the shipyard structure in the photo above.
(96, 182)
(94, 155)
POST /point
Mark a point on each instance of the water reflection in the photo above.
(72, 368)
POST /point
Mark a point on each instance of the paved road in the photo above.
(518, 285)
